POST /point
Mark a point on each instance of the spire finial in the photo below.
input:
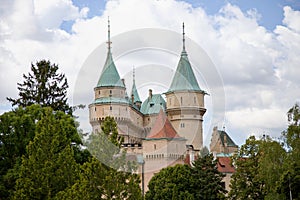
(133, 74)
(108, 30)
(183, 38)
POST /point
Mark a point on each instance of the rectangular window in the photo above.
(182, 125)
(110, 107)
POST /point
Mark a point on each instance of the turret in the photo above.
(185, 102)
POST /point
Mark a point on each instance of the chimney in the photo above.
(150, 94)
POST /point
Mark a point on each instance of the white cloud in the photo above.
(260, 68)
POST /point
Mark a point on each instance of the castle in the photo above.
(159, 131)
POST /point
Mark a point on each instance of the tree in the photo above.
(17, 129)
(49, 166)
(260, 165)
(244, 183)
(206, 182)
(43, 86)
(199, 181)
(171, 183)
(290, 179)
(107, 175)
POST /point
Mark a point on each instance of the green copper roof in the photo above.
(104, 100)
(153, 105)
(184, 78)
(109, 75)
(135, 93)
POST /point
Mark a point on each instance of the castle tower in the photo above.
(111, 100)
(185, 102)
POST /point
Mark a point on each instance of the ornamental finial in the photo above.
(183, 38)
(108, 35)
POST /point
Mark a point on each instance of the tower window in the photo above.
(95, 109)
(110, 91)
(110, 107)
(182, 125)
(99, 92)
(181, 100)
(154, 146)
(194, 100)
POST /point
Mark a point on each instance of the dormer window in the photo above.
(151, 105)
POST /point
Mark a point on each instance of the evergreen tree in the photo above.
(49, 166)
(43, 86)
(206, 182)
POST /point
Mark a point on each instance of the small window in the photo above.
(151, 105)
(110, 91)
(110, 107)
(154, 146)
(95, 109)
(194, 100)
(181, 100)
(99, 92)
(182, 125)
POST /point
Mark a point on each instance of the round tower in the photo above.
(185, 102)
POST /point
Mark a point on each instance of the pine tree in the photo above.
(43, 86)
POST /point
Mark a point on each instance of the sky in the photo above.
(245, 54)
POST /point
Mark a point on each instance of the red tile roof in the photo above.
(162, 128)
(224, 165)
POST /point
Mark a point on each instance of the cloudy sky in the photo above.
(249, 52)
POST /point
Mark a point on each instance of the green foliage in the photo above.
(43, 86)
(170, 183)
(290, 179)
(200, 181)
(104, 176)
(49, 166)
(206, 179)
(17, 129)
(245, 183)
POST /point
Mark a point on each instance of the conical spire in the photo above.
(134, 91)
(184, 78)
(109, 75)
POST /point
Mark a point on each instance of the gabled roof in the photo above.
(229, 141)
(152, 105)
(163, 129)
(135, 93)
(109, 76)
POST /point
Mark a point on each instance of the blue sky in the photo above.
(270, 10)
(253, 44)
